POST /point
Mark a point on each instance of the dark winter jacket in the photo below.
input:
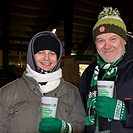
(123, 89)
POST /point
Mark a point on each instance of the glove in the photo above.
(53, 125)
(111, 108)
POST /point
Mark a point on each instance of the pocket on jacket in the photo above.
(18, 108)
(64, 110)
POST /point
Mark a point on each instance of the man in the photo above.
(114, 63)
(20, 100)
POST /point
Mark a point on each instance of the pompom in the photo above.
(108, 11)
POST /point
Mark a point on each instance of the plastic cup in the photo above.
(105, 88)
(49, 106)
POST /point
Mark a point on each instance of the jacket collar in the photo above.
(33, 86)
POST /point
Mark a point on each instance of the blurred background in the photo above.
(71, 20)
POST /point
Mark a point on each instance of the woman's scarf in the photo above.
(52, 80)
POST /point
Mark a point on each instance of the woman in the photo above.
(20, 100)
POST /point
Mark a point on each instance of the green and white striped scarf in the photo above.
(110, 71)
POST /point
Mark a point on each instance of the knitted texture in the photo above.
(47, 42)
(109, 21)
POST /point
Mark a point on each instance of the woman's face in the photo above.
(46, 59)
(110, 46)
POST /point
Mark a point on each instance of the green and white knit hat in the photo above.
(109, 21)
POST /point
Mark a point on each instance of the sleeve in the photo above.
(84, 86)
(3, 116)
(129, 114)
(82, 89)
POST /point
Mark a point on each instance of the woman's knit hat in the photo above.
(109, 21)
(47, 42)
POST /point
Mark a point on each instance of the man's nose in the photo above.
(107, 44)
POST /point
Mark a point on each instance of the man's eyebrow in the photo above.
(99, 38)
(114, 36)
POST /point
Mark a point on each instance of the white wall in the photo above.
(70, 70)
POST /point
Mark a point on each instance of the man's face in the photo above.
(110, 46)
(46, 59)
